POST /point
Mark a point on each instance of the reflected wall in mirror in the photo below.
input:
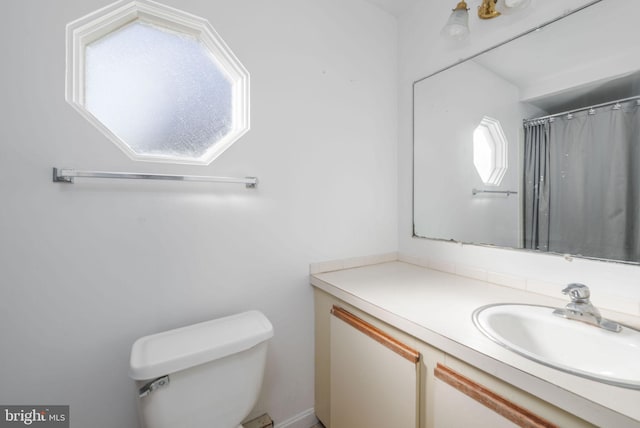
(569, 153)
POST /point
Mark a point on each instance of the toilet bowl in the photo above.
(206, 375)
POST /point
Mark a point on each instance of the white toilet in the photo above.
(206, 375)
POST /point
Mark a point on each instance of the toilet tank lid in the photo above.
(174, 350)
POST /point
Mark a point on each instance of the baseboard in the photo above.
(305, 419)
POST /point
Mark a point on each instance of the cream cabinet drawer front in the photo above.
(455, 409)
(460, 402)
(374, 379)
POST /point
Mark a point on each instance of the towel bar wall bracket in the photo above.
(63, 175)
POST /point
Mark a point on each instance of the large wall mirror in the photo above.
(535, 144)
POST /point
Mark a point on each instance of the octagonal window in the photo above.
(490, 151)
(160, 83)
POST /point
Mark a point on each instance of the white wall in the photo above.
(421, 53)
(88, 268)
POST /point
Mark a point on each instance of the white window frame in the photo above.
(100, 23)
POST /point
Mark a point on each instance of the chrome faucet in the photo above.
(581, 309)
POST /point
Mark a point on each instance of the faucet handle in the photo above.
(577, 292)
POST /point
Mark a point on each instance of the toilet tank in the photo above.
(204, 375)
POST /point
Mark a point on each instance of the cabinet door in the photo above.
(460, 402)
(374, 379)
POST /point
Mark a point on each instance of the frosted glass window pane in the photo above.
(160, 92)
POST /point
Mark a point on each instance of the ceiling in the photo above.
(394, 7)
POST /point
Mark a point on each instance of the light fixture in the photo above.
(487, 9)
(457, 27)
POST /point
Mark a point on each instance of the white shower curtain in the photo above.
(585, 200)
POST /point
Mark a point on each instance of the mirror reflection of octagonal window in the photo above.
(490, 151)
(160, 83)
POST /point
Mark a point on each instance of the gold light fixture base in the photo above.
(461, 6)
(487, 9)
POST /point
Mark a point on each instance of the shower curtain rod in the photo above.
(568, 112)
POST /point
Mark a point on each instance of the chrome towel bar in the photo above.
(64, 175)
(502, 192)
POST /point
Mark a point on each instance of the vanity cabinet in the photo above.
(488, 401)
(482, 408)
(367, 374)
(373, 376)
(361, 382)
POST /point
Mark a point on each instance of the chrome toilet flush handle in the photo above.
(153, 385)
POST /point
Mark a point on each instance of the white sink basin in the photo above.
(568, 345)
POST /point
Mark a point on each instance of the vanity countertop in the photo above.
(436, 308)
